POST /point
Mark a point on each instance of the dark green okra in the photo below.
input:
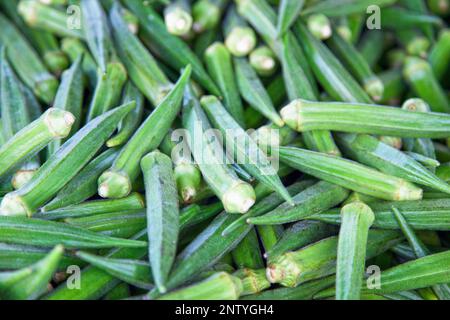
(247, 253)
(440, 54)
(269, 235)
(63, 165)
(336, 8)
(117, 181)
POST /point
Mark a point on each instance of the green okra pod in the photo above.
(247, 253)
(195, 214)
(29, 283)
(319, 26)
(63, 165)
(162, 215)
(322, 196)
(439, 7)
(356, 218)
(19, 230)
(254, 92)
(419, 7)
(240, 39)
(253, 281)
(370, 48)
(116, 181)
(336, 8)
(244, 150)
(176, 53)
(440, 54)
(289, 11)
(206, 14)
(74, 48)
(319, 259)
(302, 115)
(263, 61)
(178, 17)
(220, 67)
(269, 235)
(350, 175)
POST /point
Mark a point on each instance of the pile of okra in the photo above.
(225, 149)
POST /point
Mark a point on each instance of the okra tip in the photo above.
(320, 26)
(361, 209)
(291, 114)
(407, 191)
(283, 270)
(114, 185)
(416, 105)
(239, 198)
(59, 122)
(12, 205)
(413, 66)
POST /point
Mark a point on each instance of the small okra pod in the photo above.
(162, 215)
(253, 281)
(440, 54)
(38, 15)
(350, 174)
(206, 14)
(53, 124)
(29, 283)
(42, 233)
(263, 60)
(220, 286)
(244, 150)
(253, 91)
(135, 272)
(247, 253)
(117, 181)
(370, 151)
(240, 39)
(419, 74)
(132, 121)
(288, 12)
(357, 218)
(370, 48)
(63, 165)
(319, 26)
(177, 53)
(322, 196)
(319, 259)
(178, 17)
(302, 115)
(220, 67)
(299, 235)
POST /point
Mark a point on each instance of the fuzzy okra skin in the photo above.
(350, 174)
(53, 124)
(370, 151)
(357, 218)
(236, 195)
(303, 115)
(27, 63)
(220, 67)
(240, 39)
(176, 53)
(162, 214)
(63, 165)
(116, 181)
(319, 259)
(322, 196)
(244, 150)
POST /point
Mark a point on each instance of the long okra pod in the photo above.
(63, 165)
(116, 181)
(220, 67)
(53, 124)
(349, 174)
(289, 10)
(440, 54)
(351, 252)
(26, 62)
(244, 150)
(240, 39)
(178, 17)
(162, 214)
(370, 151)
(176, 53)
(247, 253)
(336, 8)
(302, 115)
(74, 48)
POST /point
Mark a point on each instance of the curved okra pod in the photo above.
(45, 17)
(162, 214)
(319, 259)
(132, 121)
(289, 11)
(53, 124)
(27, 63)
(244, 150)
(319, 197)
(357, 218)
(440, 54)
(302, 115)
(419, 74)
(69, 97)
(220, 67)
(253, 91)
(29, 283)
(141, 66)
(240, 39)
(116, 181)
(178, 17)
(177, 54)
(247, 253)
(370, 151)
(63, 165)
(350, 175)
(74, 48)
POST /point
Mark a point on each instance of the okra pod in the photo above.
(74, 48)
(439, 7)
(288, 12)
(178, 17)
(302, 115)
(319, 26)
(247, 253)
(351, 252)
(263, 61)
(116, 181)
(440, 54)
(269, 235)
(350, 175)
(240, 39)
(336, 8)
(206, 14)
(370, 47)
(253, 281)
(63, 165)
